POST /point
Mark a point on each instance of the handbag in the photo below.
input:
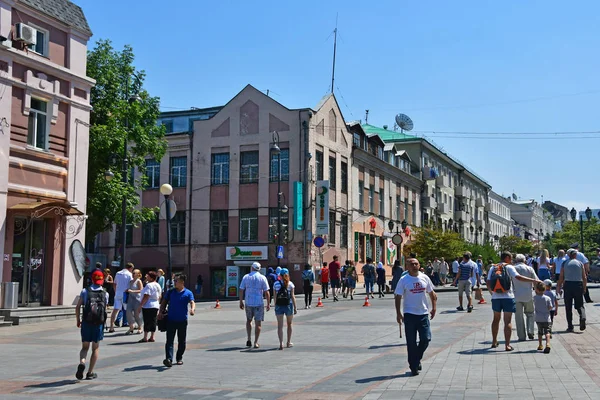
(161, 324)
(478, 294)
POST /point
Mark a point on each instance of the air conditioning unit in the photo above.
(26, 33)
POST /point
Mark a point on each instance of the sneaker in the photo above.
(91, 375)
(482, 301)
(530, 337)
(547, 350)
(414, 372)
(460, 308)
(80, 369)
(167, 363)
(248, 343)
(582, 324)
(309, 307)
(372, 296)
(570, 329)
(469, 308)
(420, 367)
(382, 295)
(540, 347)
(351, 297)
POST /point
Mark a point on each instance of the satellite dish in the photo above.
(404, 122)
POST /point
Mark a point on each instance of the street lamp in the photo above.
(588, 215)
(276, 150)
(166, 191)
(479, 229)
(404, 224)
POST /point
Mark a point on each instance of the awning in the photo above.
(39, 209)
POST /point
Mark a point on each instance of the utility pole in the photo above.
(334, 51)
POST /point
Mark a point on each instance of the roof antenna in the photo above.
(366, 117)
(334, 51)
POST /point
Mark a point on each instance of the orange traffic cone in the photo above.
(367, 304)
(319, 303)
(217, 305)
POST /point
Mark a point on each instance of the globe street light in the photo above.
(166, 191)
(277, 151)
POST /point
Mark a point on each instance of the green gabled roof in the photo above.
(385, 134)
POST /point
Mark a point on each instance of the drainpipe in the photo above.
(305, 183)
(189, 207)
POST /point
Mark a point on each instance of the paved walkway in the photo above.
(342, 351)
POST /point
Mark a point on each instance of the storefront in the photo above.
(225, 281)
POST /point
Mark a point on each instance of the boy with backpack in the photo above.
(543, 308)
(94, 300)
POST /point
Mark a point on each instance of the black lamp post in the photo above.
(404, 224)
(471, 228)
(276, 150)
(588, 215)
(391, 226)
(166, 191)
(108, 175)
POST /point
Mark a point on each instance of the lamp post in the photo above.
(276, 150)
(479, 229)
(471, 228)
(108, 175)
(588, 215)
(166, 191)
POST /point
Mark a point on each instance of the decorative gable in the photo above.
(275, 124)
(249, 118)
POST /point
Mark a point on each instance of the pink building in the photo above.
(45, 104)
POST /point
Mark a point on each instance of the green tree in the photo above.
(114, 73)
(571, 233)
(429, 242)
(515, 244)
(486, 251)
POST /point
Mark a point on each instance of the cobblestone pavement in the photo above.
(342, 351)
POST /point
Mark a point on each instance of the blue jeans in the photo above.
(412, 324)
(121, 314)
(179, 327)
(369, 285)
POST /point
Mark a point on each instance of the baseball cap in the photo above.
(277, 270)
(575, 246)
(98, 277)
(284, 271)
(548, 282)
(571, 251)
(256, 266)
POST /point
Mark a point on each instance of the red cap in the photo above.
(98, 277)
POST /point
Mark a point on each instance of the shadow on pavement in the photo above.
(477, 351)
(385, 346)
(382, 378)
(123, 343)
(147, 367)
(451, 312)
(64, 382)
(229, 349)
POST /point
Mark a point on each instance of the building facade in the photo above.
(386, 192)
(45, 99)
(534, 222)
(500, 222)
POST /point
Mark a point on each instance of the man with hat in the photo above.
(252, 289)
(573, 278)
(586, 264)
(94, 300)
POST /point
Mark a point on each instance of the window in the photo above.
(381, 201)
(178, 171)
(219, 169)
(406, 209)
(332, 173)
(273, 223)
(168, 126)
(344, 177)
(284, 154)
(398, 203)
(219, 222)
(249, 167)
(361, 195)
(128, 234)
(150, 231)
(41, 42)
(248, 225)
(344, 231)
(37, 131)
(356, 139)
(380, 152)
(319, 165)
(153, 173)
(178, 228)
(371, 198)
(331, 237)
(414, 214)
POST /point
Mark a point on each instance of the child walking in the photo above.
(543, 305)
(552, 294)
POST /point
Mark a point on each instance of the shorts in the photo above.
(335, 283)
(285, 310)
(464, 287)
(119, 303)
(543, 328)
(256, 313)
(506, 305)
(91, 333)
(351, 283)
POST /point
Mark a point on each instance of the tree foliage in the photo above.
(429, 242)
(515, 244)
(571, 233)
(114, 120)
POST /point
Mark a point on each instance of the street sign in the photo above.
(115, 264)
(319, 241)
(397, 239)
(279, 251)
(163, 209)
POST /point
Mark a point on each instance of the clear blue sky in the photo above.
(472, 66)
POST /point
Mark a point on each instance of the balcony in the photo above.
(428, 202)
(442, 181)
(458, 215)
(480, 202)
(488, 206)
(461, 191)
(443, 208)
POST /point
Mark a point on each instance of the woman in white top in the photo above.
(544, 265)
(150, 305)
(133, 302)
(284, 305)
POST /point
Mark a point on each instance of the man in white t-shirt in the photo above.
(121, 284)
(252, 289)
(413, 287)
(503, 298)
(586, 264)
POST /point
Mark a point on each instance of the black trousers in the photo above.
(308, 290)
(179, 327)
(573, 293)
(586, 295)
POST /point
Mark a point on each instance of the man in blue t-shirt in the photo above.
(466, 270)
(178, 299)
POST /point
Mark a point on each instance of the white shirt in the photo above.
(153, 290)
(582, 258)
(509, 294)
(254, 285)
(122, 279)
(444, 268)
(523, 290)
(413, 289)
(454, 266)
(543, 266)
(277, 287)
(558, 263)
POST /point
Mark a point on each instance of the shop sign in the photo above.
(369, 249)
(235, 253)
(322, 208)
(391, 251)
(233, 273)
(356, 245)
(378, 248)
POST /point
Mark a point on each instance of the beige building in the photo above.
(44, 141)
